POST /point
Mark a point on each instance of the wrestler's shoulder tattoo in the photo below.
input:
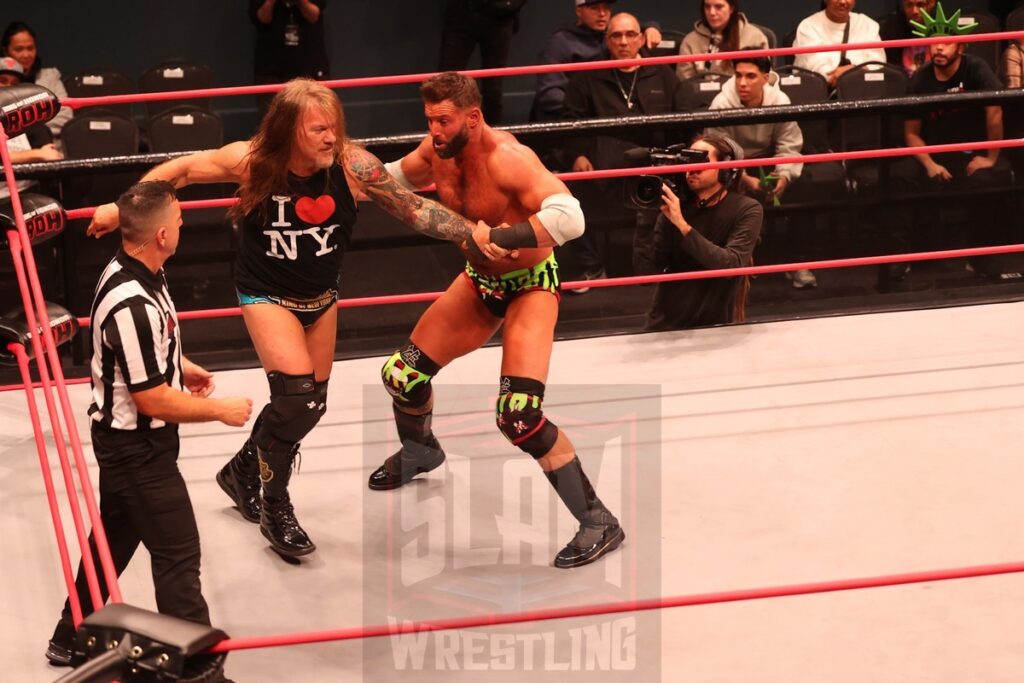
(364, 166)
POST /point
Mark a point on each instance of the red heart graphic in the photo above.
(315, 211)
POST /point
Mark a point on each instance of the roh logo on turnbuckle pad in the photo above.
(23, 106)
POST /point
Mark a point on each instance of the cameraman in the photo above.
(716, 228)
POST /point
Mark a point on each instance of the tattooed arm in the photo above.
(422, 214)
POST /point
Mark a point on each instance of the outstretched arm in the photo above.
(224, 165)
(420, 213)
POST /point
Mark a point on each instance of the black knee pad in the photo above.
(520, 416)
(407, 374)
(297, 402)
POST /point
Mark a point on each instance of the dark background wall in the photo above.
(365, 38)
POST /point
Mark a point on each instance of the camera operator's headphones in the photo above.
(728, 150)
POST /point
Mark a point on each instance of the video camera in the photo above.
(644, 192)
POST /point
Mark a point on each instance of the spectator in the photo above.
(836, 24)
(489, 24)
(721, 28)
(1011, 68)
(36, 144)
(952, 71)
(717, 228)
(1011, 73)
(896, 26)
(19, 42)
(755, 85)
(289, 42)
(633, 91)
(582, 42)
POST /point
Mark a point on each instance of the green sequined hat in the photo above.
(940, 24)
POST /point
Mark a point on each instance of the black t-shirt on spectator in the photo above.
(962, 123)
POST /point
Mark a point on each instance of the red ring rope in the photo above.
(32, 294)
(88, 566)
(87, 212)
(618, 607)
(51, 493)
(538, 615)
(76, 102)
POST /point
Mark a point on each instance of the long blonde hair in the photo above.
(271, 148)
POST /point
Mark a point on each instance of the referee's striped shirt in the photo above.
(135, 341)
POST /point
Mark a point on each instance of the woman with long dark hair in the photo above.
(721, 28)
(19, 43)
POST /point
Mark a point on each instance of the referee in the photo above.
(142, 388)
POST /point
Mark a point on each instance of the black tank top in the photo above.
(293, 244)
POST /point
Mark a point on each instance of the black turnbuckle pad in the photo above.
(45, 218)
(133, 645)
(14, 328)
(23, 106)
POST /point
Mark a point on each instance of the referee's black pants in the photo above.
(143, 499)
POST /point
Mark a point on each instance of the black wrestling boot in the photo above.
(60, 649)
(277, 516)
(599, 532)
(412, 459)
(279, 526)
(240, 479)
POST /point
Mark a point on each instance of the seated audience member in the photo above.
(582, 42)
(36, 144)
(716, 227)
(19, 42)
(1011, 73)
(835, 25)
(721, 28)
(633, 91)
(754, 84)
(896, 26)
(1011, 67)
(952, 71)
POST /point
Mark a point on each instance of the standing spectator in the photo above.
(489, 24)
(36, 144)
(896, 26)
(721, 28)
(755, 85)
(718, 228)
(837, 24)
(142, 388)
(289, 42)
(582, 42)
(19, 42)
(631, 91)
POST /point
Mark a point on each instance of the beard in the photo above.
(325, 159)
(453, 146)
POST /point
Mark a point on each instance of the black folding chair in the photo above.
(703, 88)
(98, 82)
(175, 74)
(185, 129)
(670, 43)
(804, 86)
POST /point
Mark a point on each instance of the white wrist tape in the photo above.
(562, 217)
(395, 169)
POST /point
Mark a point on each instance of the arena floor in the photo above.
(737, 457)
